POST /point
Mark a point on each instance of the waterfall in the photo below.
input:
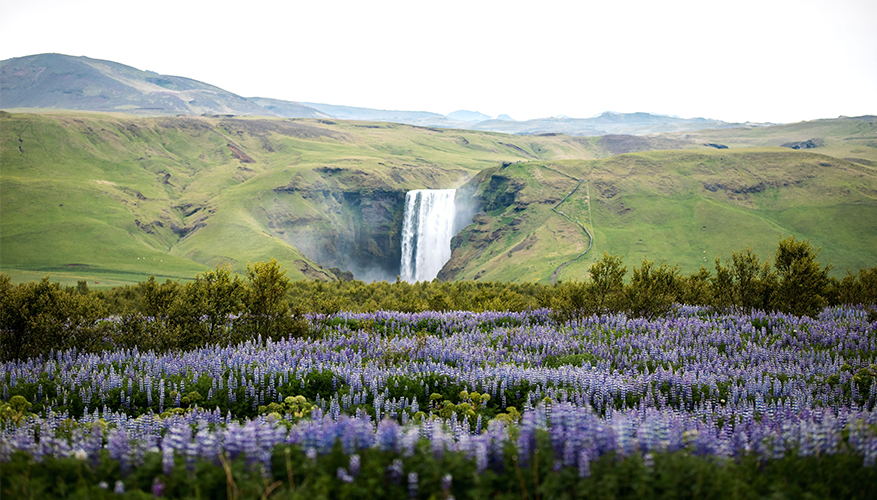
(427, 229)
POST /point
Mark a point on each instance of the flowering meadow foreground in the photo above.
(462, 405)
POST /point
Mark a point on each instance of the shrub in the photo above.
(653, 289)
(38, 317)
(267, 312)
(802, 283)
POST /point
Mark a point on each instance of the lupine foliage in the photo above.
(509, 404)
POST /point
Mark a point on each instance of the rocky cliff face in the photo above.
(354, 230)
(490, 191)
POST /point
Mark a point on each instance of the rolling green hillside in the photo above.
(111, 198)
(681, 206)
(853, 139)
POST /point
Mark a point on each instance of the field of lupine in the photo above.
(462, 405)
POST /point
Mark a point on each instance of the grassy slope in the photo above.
(853, 139)
(114, 199)
(682, 206)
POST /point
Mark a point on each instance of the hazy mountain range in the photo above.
(82, 83)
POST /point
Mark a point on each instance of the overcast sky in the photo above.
(762, 61)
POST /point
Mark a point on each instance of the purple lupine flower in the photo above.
(117, 444)
(167, 459)
(584, 463)
(394, 471)
(446, 482)
(157, 487)
(354, 465)
(481, 459)
(412, 484)
(388, 435)
(343, 475)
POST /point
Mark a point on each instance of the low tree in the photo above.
(607, 283)
(571, 300)
(722, 286)
(744, 281)
(157, 299)
(801, 281)
(216, 295)
(696, 288)
(268, 313)
(653, 289)
(858, 288)
(754, 281)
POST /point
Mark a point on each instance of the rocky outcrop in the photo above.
(809, 144)
(736, 189)
(490, 191)
(500, 191)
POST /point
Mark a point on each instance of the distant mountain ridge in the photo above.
(81, 83)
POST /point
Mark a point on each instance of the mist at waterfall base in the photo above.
(422, 254)
(429, 223)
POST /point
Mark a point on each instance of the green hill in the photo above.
(681, 206)
(111, 198)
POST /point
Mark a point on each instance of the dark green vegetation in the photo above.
(668, 475)
(113, 199)
(219, 308)
(216, 307)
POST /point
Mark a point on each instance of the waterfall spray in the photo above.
(427, 229)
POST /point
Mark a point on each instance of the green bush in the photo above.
(801, 282)
(38, 317)
(653, 289)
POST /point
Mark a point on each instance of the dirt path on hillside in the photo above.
(576, 221)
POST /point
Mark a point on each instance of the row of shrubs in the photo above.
(793, 282)
(216, 307)
(221, 307)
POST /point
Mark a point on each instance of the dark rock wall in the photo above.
(357, 231)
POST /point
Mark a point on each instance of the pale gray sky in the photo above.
(755, 60)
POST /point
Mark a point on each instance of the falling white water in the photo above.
(427, 229)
